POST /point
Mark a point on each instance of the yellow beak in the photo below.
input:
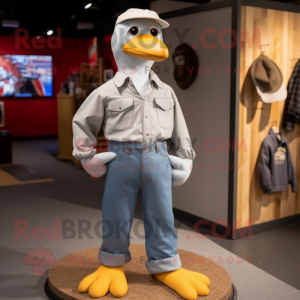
(147, 47)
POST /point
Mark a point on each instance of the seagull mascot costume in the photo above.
(141, 116)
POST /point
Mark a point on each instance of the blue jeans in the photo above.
(145, 169)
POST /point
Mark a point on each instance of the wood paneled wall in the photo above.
(281, 31)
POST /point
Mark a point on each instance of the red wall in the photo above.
(107, 52)
(26, 117)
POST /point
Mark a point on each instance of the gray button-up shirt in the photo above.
(129, 117)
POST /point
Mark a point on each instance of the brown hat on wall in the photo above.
(267, 79)
(185, 65)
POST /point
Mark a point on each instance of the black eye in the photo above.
(134, 30)
(154, 32)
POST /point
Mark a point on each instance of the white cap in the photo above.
(136, 13)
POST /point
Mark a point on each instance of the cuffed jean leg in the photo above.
(114, 259)
(118, 204)
(161, 237)
(163, 265)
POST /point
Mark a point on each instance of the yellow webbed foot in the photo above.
(187, 284)
(105, 279)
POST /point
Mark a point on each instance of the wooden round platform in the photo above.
(66, 274)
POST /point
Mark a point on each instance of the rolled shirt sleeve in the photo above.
(180, 140)
(86, 125)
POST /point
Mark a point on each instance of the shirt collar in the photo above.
(154, 77)
(120, 78)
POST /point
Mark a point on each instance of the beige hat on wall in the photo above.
(136, 13)
(267, 79)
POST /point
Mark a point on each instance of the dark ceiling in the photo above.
(38, 16)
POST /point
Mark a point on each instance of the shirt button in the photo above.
(147, 134)
(145, 148)
(146, 117)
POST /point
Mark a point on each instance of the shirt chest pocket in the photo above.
(165, 112)
(120, 114)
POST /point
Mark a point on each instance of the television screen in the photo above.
(26, 76)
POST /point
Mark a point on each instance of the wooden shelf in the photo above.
(66, 111)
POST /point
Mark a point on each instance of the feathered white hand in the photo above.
(95, 166)
(181, 169)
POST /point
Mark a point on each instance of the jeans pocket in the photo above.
(162, 150)
(120, 155)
